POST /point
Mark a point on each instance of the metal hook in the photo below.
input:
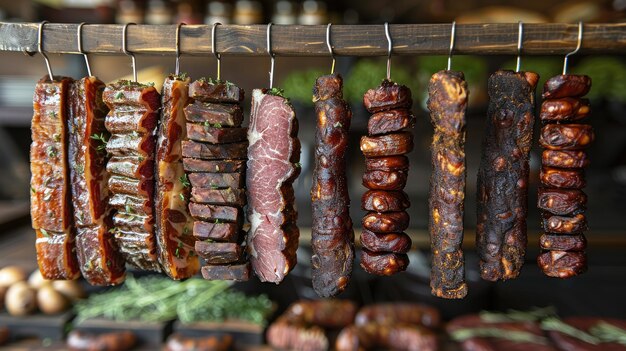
(132, 56)
(40, 49)
(578, 46)
(389, 48)
(452, 36)
(330, 48)
(520, 36)
(269, 51)
(218, 56)
(80, 47)
(177, 69)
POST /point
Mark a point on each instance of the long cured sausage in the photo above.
(174, 225)
(332, 235)
(100, 261)
(503, 175)
(134, 230)
(447, 102)
(50, 199)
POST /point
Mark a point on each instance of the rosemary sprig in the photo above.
(558, 325)
(608, 333)
(533, 315)
(157, 299)
(497, 333)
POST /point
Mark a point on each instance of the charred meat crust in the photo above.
(383, 263)
(503, 175)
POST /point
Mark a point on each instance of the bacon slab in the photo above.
(50, 196)
(174, 224)
(100, 261)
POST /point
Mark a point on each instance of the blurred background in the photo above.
(599, 292)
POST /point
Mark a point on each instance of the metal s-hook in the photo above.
(452, 37)
(520, 37)
(79, 36)
(578, 46)
(389, 48)
(40, 49)
(218, 56)
(177, 69)
(330, 48)
(269, 51)
(125, 50)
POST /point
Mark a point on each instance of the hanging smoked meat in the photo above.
(100, 261)
(174, 225)
(214, 151)
(132, 120)
(50, 196)
(273, 165)
(561, 200)
(332, 235)
(384, 243)
(503, 175)
(447, 102)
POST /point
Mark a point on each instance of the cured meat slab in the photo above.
(214, 157)
(134, 232)
(50, 195)
(100, 262)
(173, 232)
(272, 155)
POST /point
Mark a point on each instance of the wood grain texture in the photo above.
(297, 40)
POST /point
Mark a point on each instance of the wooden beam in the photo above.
(296, 40)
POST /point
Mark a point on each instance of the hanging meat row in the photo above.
(163, 182)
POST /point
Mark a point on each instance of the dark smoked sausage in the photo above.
(447, 103)
(503, 175)
(333, 237)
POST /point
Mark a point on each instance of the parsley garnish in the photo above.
(51, 151)
(214, 125)
(182, 197)
(276, 92)
(119, 95)
(184, 180)
(44, 232)
(102, 140)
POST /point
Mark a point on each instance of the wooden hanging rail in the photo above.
(296, 40)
